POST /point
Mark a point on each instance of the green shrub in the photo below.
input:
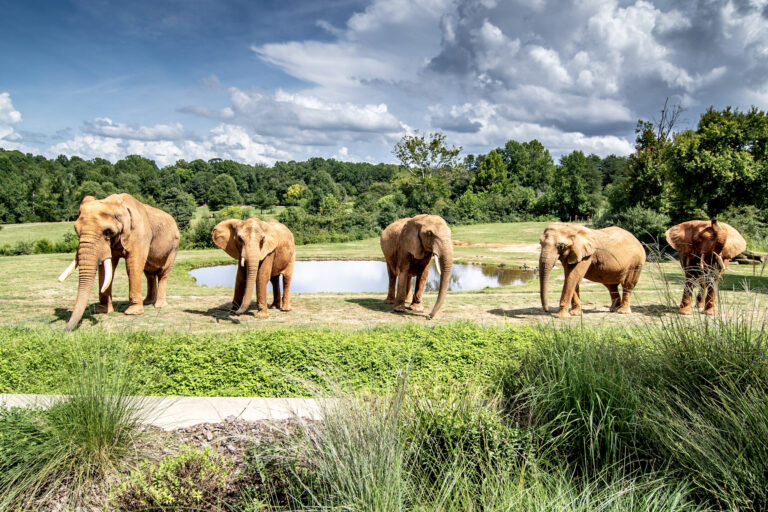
(23, 247)
(193, 480)
(198, 236)
(646, 224)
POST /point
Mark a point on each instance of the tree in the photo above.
(223, 192)
(180, 205)
(430, 166)
(570, 188)
(491, 175)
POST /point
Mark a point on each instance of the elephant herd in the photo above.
(120, 226)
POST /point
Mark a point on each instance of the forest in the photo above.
(720, 168)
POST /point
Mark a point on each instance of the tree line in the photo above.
(718, 168)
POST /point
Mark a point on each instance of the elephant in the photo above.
(265, 250)
(115, 227)
(705, 248)
(611, 256)
(409, 245)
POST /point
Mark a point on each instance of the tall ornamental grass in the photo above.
(78, 439)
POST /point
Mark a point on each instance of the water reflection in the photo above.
(369, 276)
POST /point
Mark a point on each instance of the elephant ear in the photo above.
(88, 199)
(410, 239)
(126, 217)
(734, 244)
(581, 248)
(676, 238)
(223, 235)
(269, 240)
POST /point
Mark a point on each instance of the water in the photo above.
(369, 276)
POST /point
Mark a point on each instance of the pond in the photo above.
(318, 276)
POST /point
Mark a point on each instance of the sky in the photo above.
(264, 80)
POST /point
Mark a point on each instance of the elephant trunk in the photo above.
(252, 271)
(445, 264)
(546, 262)
(88, 262)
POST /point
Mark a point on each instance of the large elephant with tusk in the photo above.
(117, 227)
(409, 246)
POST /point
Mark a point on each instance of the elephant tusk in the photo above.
(437, 264)
(107, 274)
(720, 263)
(242, 261)
(68, 271)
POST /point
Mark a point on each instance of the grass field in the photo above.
(53, 231)
(32, 296)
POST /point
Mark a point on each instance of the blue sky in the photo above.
(259, 81)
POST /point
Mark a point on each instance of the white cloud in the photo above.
(105, 127)
(9, 117)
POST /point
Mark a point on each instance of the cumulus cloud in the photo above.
(9, 118)
(573, 75)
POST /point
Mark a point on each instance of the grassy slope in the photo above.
(12, 233)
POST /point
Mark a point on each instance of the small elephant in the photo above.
(117, 227)
(705, 249)
(265, 251)
(611, 256)
(408, 246)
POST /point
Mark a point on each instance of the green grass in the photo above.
(53, 231)
(266, 363)
(77, 440)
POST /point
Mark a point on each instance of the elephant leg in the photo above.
(287, 277)
(626, 290)
(240, 280)
(275, 280)
(162, 283)
(576, 302)
(151, 287)
(403, 282)
(263, 277)
(392, 285)
(418, 291)
(613, 290)
(574, 275)
(105, 298)
(135, 267)
(690, 282)
(409, 297)
(709, 306)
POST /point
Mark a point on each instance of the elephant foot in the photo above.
(389, 301)
(105, 308)
(262, 314)
(149, 300)
(417, 307)
(399, 309)
(711, 311)
(562, 314)
(576, 312)
(274, 305)
(685, 310)
(700, 304)
(286, 306)
(624, 310)
(161, 303)
(135, 309)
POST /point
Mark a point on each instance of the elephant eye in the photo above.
(109, 233)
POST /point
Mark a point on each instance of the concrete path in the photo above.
(182, 411)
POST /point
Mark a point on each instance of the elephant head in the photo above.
(249, 242)
(701, 242)
(100, 225)
(426, 235)
(569, 241)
